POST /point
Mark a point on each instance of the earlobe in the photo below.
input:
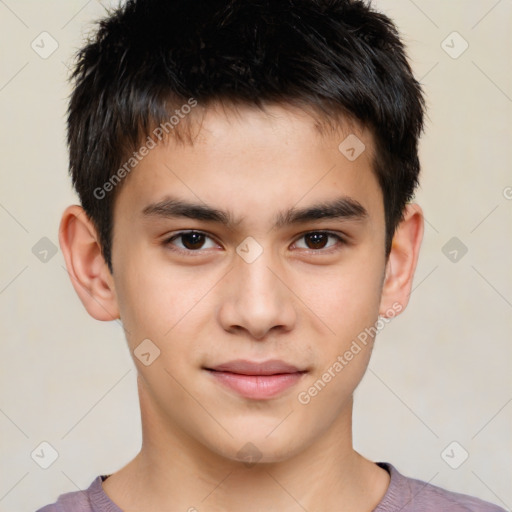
(86, 266)
(402, 261)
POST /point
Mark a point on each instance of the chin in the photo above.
(259, 448)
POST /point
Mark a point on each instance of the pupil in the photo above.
(316, 240)
(193, 240)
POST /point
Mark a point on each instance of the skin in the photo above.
(298, 302)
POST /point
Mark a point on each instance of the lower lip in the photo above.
(257, 387)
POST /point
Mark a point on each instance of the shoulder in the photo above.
(82, 501)
(411, 495)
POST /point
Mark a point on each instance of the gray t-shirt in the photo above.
(403, 495)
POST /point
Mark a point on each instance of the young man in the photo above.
(245, 170)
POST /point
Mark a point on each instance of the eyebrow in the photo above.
(343, 208)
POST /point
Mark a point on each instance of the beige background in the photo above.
(440, 373)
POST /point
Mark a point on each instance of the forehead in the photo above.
(253, 162)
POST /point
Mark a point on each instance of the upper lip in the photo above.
(245, 367)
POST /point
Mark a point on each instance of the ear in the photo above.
(86, 266)
(402, 262)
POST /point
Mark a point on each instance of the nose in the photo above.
(256, 300)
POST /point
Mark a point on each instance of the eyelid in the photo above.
(341, 240)
(170, 238)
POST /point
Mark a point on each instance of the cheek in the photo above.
(146, 301)
(158, 302)
(346, 298)
(349, 305)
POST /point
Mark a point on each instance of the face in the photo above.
(251, 260)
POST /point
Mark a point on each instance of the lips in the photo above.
(257, 380)
(244, 367)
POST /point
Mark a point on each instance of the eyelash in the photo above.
(189, 252)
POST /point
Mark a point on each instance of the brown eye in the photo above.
(191, 241)
(318, 240)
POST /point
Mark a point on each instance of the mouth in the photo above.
(257, 380)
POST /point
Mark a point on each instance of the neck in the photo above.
(174, 471)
